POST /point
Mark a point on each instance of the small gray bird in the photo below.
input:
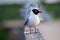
(32, 19)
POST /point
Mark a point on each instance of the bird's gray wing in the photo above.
(27, 17)
(26, 22)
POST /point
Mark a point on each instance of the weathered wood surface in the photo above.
(32, 35)
(21, 34)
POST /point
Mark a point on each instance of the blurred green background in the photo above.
(9, 12)
(54, 8)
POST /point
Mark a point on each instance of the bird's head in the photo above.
(36, 11)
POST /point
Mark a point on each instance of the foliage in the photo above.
(3, 34)
(54, 8)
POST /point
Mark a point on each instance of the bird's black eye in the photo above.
(35, 11)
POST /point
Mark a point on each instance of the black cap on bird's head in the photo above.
(36, 12)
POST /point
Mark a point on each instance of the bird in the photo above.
(32, 19)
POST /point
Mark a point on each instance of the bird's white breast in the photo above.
(33, 20)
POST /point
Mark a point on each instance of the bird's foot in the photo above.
(36, 32)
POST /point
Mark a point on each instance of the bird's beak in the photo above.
(40, 11)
